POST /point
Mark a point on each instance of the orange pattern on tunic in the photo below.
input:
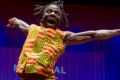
(42, 48)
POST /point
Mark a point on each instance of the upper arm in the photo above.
(78, 38)
(24, 27)
(67, 36)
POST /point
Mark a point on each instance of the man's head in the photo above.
(52, 15)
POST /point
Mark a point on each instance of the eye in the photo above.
(56, 12)
(49, 11)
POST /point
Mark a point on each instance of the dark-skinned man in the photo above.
(45, 43)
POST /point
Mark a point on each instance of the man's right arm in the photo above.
(17, 23)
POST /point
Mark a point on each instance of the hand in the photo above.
(13, 22)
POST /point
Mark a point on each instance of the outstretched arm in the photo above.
(82, 37)
(17, 23)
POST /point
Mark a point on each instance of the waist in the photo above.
(34, 76)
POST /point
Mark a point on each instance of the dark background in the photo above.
(113, 3)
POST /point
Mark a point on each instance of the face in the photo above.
(52, 16)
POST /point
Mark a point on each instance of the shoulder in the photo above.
(33, 26)
(68, 33)
(61, 32)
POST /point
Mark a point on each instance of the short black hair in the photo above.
(40, 11)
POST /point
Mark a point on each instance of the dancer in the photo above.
(46, 42)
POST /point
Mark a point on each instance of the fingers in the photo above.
(12, 22)
(10, 25)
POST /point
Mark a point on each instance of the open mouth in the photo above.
(51, 21)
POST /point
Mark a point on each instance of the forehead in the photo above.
(53, 7)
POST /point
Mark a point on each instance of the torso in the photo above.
(41, 50)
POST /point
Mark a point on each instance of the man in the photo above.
(45, 43)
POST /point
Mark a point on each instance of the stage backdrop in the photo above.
(94, 60)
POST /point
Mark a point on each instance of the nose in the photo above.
(52, 14)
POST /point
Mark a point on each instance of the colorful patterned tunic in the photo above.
(40, 51)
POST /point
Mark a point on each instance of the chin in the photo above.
(51, 25)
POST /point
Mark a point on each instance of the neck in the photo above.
(45, 26)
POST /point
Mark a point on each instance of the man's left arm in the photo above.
(82, 37)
